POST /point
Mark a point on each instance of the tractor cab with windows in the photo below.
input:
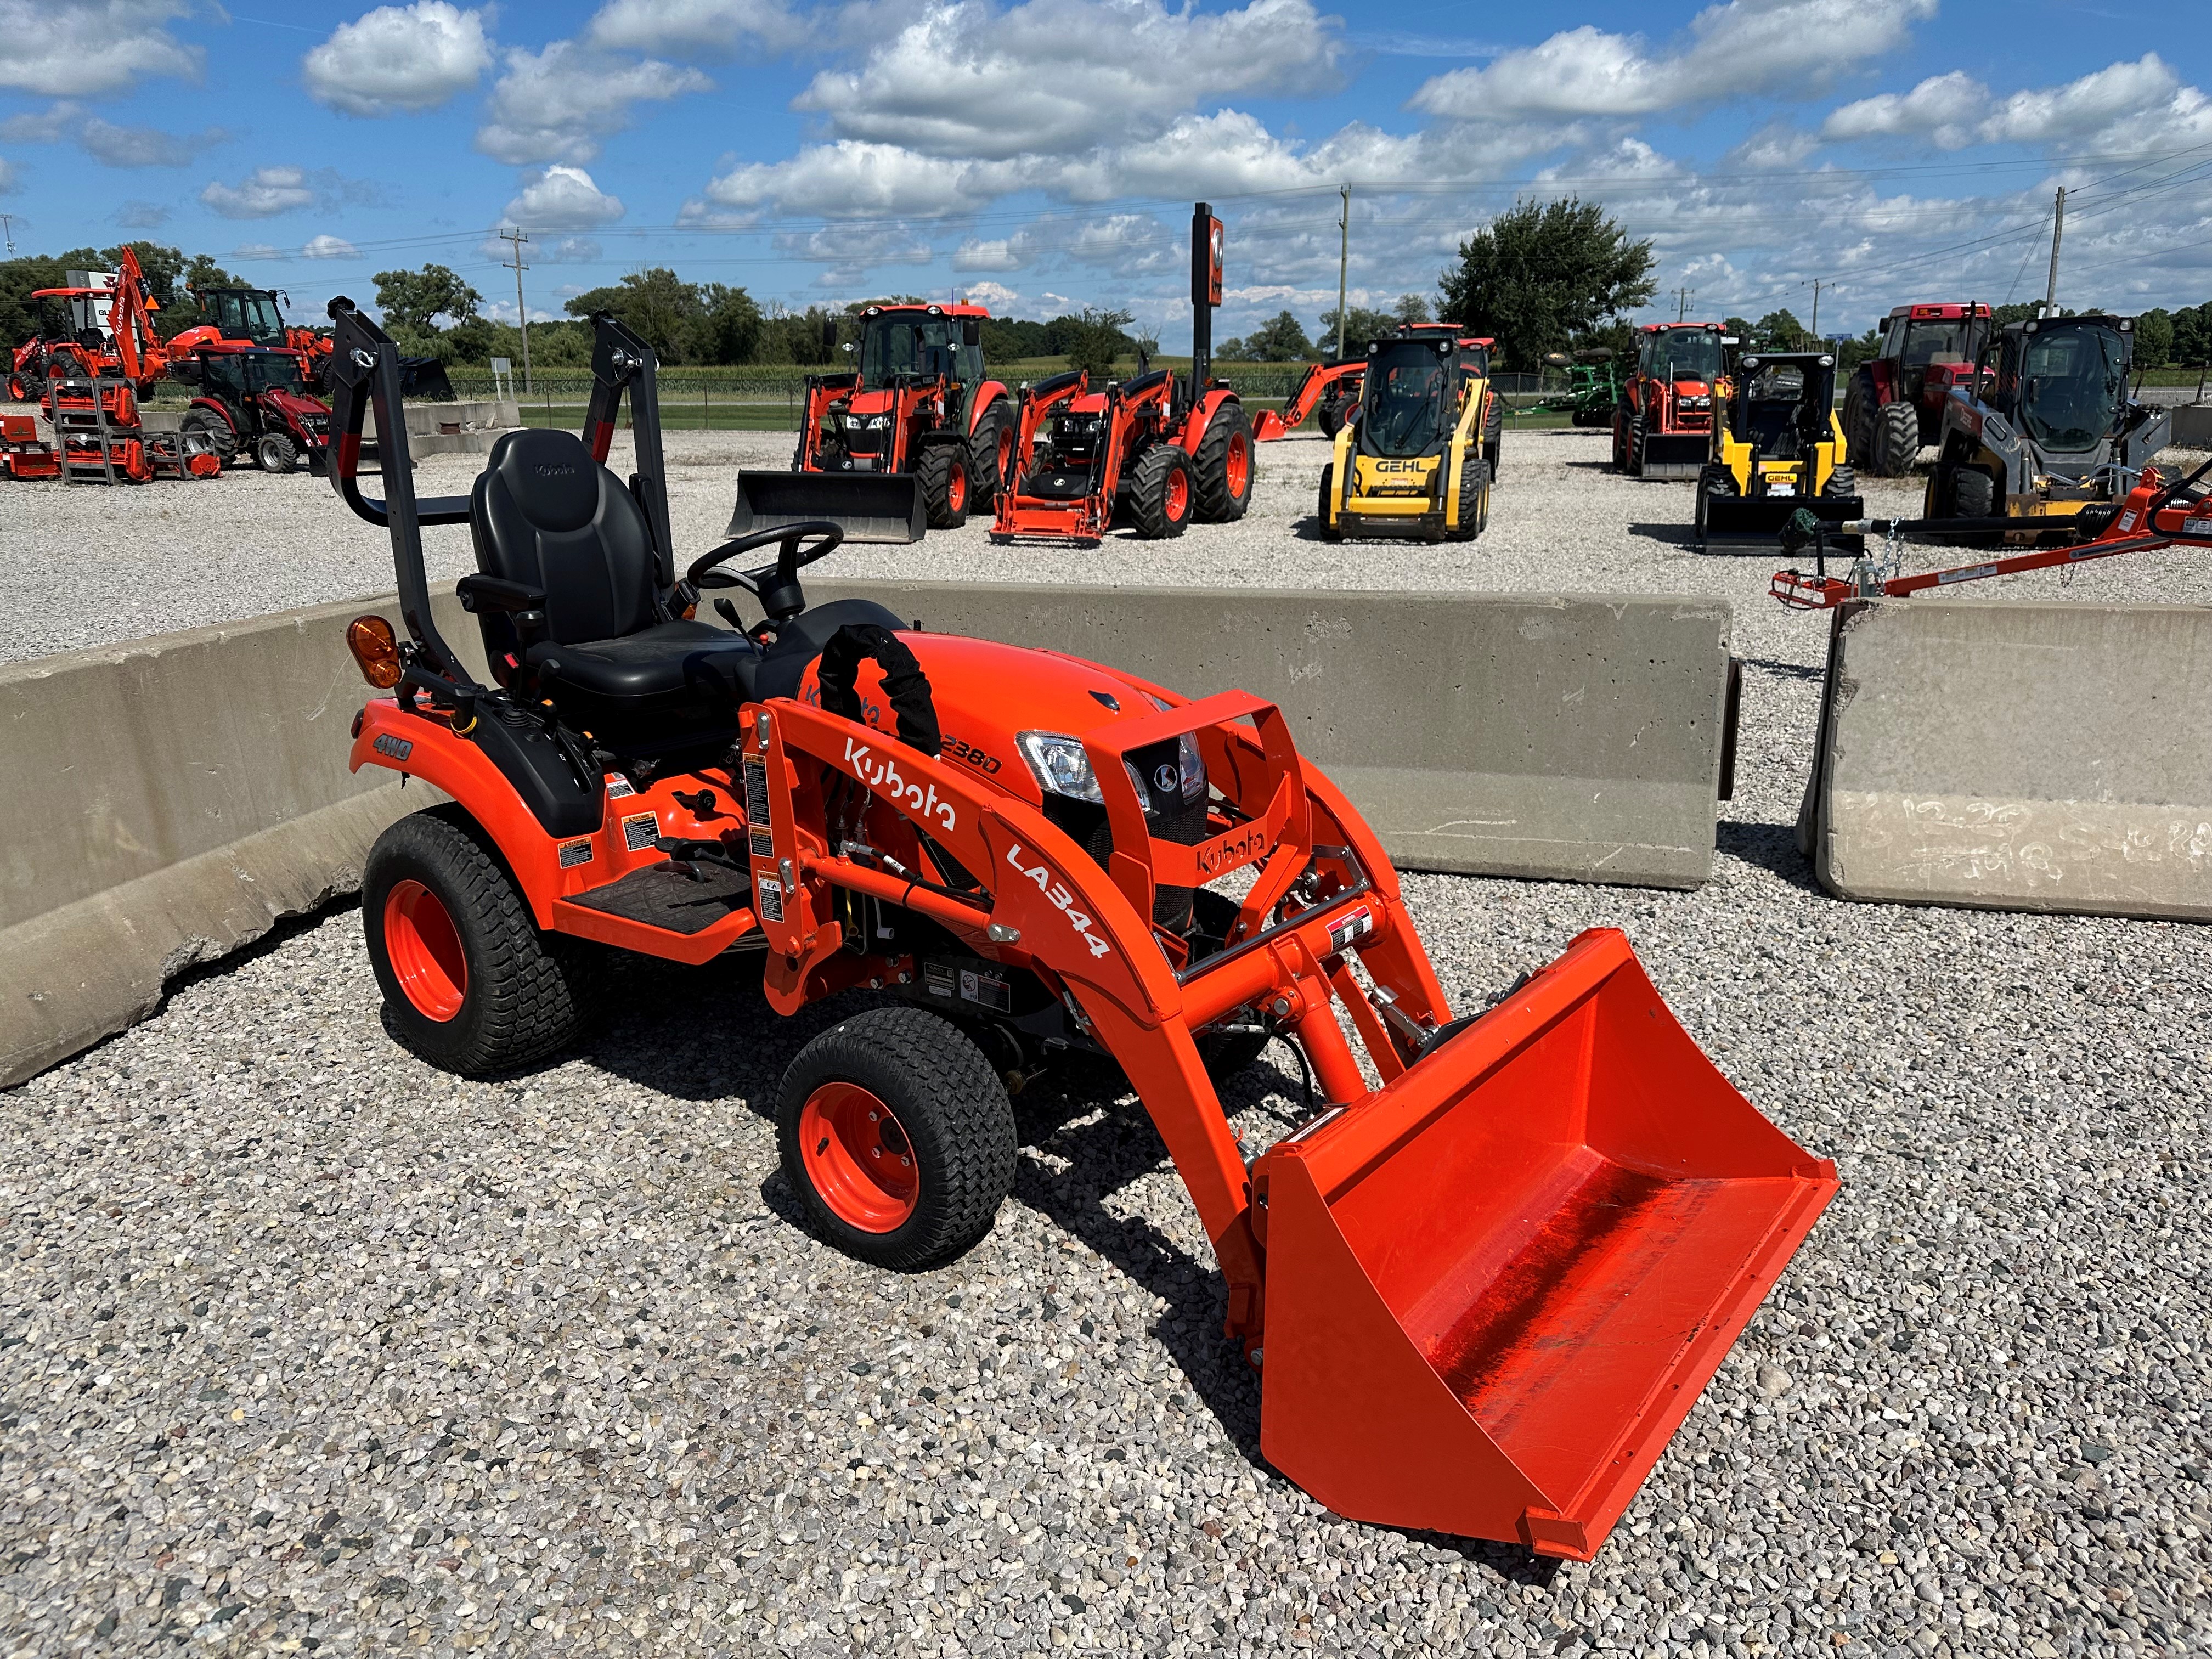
(254, 402)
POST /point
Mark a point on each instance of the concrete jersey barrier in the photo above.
(1574, 739)
(2016, 756)
(194, 788)
(193, 792)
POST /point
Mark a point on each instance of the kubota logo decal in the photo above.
(1058, 896)
(883, 774)
(1230, 851)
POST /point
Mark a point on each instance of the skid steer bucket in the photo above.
(869, 507)
(1764, 515)
(1495, 1286)
(1675, 454)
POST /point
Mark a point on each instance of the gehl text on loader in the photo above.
(1480, 1297)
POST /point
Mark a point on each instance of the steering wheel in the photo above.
(776, 586)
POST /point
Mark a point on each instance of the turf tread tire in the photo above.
(1211, 499)
(954, 1108)
(1148, 493)
(528, 994)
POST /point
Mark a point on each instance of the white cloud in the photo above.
(562, 199)
(1739, 48)
(999, 253)
(265, 193)
(50, 126)
(994, 296)
(574, 250)
(79, 48)
(327, 247)
(7, 175)
(852, 179)
(704, 28)
(257, 251)
(137, 215)
(1056, 78)
(558, 104)
(145, 147)
(399, 58)
(1955, 111)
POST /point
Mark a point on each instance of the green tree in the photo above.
(1360, 325)
(2155, 339)
(728, 330)
(1542, 272)
(412, 298)
(2192, 335)
(1280, 340)
(1097, 340)
(1411, 308)
(657, 304)
(1780, 330)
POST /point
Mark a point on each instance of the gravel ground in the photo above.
(306, 1344)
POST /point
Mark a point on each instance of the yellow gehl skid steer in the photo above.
(1411, 464)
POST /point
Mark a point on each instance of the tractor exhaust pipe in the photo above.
(1206, 240)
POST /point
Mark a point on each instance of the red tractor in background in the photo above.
(1662, 427)
(1156, 452)
(254, 402)
(916, 438)
(1894, 405)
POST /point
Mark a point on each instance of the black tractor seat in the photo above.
(574, 596)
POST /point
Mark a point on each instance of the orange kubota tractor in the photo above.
(1332, 388)
(1479, 1293)
(916, 438)
(1156, 452)
(125, 347)
(1662, 428)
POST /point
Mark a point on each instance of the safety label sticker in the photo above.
(640, 832)
(768, 897)
(574, 852)
(618, 787)
(987, 990)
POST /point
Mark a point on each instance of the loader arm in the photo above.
(1305, 398)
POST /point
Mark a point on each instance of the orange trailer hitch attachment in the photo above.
(1495, 1286)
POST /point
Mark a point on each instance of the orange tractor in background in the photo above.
(118, 344)
(916, 438)
(1662, 427)
(1894, 406)
(1480, 1287)
(1334, 389)
(1158, 452)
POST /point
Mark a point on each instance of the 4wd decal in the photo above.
(885, 774)
(1056, 894)
(398, 748)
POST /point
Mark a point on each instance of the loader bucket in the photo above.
(1764, 515)
(870, 507)
(1675, 454)
(1495, 1286)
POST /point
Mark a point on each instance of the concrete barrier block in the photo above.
(1577, 738)
(2017, 756)
(2193, 425)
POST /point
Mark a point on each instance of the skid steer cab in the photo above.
(916, 436)
(2045, 429)
(1481, 1292)
(1412, 464)
(1779, 448)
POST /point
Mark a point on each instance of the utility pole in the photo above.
(2057, 230)
(7, 224)
(521, 316)
(1816, 311)
(1343, 262)
(1683, 296)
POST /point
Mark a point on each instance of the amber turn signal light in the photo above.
(375, 649)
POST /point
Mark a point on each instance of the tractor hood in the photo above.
(973, 682)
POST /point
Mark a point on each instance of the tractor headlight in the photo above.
(1062, 768)
(1190, 762)
(1697, 403)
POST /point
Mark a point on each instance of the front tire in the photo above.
(897, 1135)
(990, 455)
(468, 983)
(1842, 480)
(1636, 448)
(278, 454)
(1324, 520)
(1716, 481)
(1160, 493)
(1221, 471)
(943, 471)
(1473, 501)
(1896, 441)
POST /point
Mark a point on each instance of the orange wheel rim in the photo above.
(857, 1157)
(425, 951)
(1238, 464)
(1178, 496)
(956, 488)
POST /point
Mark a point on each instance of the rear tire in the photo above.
(1331, 417)
(1896, 441)
(1221, 472)
(943, 1106)
(1473, 501)
(1716, 481)
(1860, 405)
(276, 453)
(1322, 520)
(1160, 493)
(220, 437)
(1973, 493)
(1636, 448)
(469, 984)
(943, 471)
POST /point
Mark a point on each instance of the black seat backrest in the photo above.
(545, 514)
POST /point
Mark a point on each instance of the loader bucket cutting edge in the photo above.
(869, 507)
(1496, 1286)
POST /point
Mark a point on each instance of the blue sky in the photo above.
(1042, 156)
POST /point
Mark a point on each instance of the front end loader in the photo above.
(2046, 429)
(1480, 1292)
(915, 438)
(1157, 453)
(1662, 427)
(1779, 449)
(1412, 464)
(1331, 388)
